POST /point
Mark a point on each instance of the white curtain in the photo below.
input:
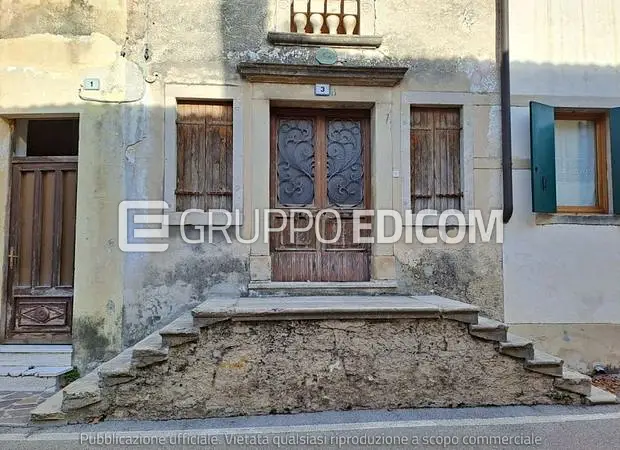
(575, 162)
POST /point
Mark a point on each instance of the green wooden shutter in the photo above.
(542, 148)
(614, 126)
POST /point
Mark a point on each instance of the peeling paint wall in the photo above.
(137, 47)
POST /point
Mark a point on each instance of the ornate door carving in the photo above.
(41, 250)
(320, 159)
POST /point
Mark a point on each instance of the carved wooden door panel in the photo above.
(41, 250)
(320, 160)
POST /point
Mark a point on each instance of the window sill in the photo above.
(430, 221)
(215, 218)
(316, 40)
(577, 219)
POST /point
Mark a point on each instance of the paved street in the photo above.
(547, 427)
(15, 406)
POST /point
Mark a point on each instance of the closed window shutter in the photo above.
(542, 147)
(435, 159)
(204, 156)
(614, 125)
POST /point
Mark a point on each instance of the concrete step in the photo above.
(81, 393)
(600, 397)
(302, 288)
(517, 347)
(50, 411)
(35, 355)
(118, 370)
(150, 350)
(489, 330)
(573, 381)
(180, 331)
(335, 307)
(545, 363)
(25, 379)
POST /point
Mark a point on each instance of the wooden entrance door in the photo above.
(41, 249)
(319, 159)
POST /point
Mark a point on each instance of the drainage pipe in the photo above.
(504, 69)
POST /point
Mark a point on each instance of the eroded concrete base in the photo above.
(294, 366)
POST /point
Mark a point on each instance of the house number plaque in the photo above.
(322, 90)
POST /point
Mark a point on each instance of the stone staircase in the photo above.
(241, 356)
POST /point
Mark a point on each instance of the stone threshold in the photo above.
(334, 308)
(295, 288)
(36, 348)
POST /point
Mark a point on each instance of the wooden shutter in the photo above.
(204, 155)
(614, 126)
(435, 158)
(542, 148)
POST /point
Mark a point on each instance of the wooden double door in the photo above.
(320, 161)
(40, 260)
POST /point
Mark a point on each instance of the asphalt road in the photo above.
(545, 427)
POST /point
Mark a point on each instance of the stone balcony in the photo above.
(325, 16)
(343, 23)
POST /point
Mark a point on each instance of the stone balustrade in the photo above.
(325, 16)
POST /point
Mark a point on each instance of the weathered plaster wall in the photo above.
(290, 366)
(456, 54)
(20, 18)
(467, 272)
(135, 48)
(580, 345)
(41, 74)
(161, 286)
(564, 53)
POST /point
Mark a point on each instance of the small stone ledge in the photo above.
(600, 397)
(81, 393)
(578, 219)
(575, 382)
(50, 411)
(118, 370)
(150, 350)
(331, 40)
(489, 330)
(335, 307)
(374, 76)
(517, 347)
(545, 363)
(180, 331)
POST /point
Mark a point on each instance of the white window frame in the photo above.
(438, 99)
(366, 17)
(173, 93)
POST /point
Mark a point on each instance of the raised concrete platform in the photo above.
(336, 307)
(346, 351)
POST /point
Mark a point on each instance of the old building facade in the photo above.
(195, 102)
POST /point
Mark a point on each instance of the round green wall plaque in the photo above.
(326, 56)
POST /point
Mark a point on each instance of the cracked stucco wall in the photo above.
(135, 48)
(291, 366)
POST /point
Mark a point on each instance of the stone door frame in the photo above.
(384, 105)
